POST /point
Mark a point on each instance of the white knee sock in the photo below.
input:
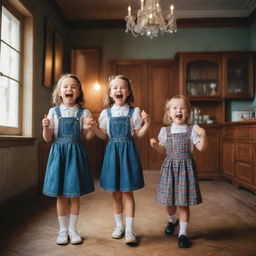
(119, 220)
(172, 218)
(129, 224)
(183, 228)
(63, 223)
(72, 222)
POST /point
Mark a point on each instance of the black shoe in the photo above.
(169, 230)
(183, 242)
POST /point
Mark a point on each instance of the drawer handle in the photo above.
(243, 134)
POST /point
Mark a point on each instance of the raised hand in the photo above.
(45, 121)
(200, 131)
(145, 117)
(153, 142)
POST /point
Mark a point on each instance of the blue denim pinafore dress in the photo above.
(121, 169)
(68, 173)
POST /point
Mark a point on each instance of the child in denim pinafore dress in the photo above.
(68, 174)
(178, 183)
(121, 171)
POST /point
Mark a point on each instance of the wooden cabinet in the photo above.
(239, 155)
(208, 161)
(238, 79)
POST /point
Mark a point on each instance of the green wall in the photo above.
(116, 44)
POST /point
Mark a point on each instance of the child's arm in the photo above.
(202, 144)
(88, 132)
(47, 132)
(142, 131)
(155, 145)
(99, 132)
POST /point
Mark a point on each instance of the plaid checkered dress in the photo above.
(178, 182)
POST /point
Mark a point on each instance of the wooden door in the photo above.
(161, 87)
(152, 84)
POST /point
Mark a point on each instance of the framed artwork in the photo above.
(58, 57)
(48, 55)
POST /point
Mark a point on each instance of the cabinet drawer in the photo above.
(245, 133)
(244, 153)
(244, 171)
(229, 133)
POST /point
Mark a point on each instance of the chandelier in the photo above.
(150, 20)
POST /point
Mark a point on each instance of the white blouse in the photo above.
(195, 138)
(66, 112)
(136, 120)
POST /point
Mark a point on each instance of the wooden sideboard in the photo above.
(239, 154)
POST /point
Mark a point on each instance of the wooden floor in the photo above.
(224, 225)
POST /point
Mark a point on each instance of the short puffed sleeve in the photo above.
(136, 119)
(51, 116)
(103, 119)
(194, 136)
(162, 136)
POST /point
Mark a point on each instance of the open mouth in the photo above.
(119, 96)
(179, 116)
(69, 95)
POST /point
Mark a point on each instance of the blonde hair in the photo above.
(108, 101)
(167, 120)
(57, 99)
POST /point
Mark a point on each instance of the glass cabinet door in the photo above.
(202, 78)
(238, 77)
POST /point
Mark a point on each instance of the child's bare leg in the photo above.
(73, 218)
(129, 204)
(118, 215)
(62, 205)
(118, 202)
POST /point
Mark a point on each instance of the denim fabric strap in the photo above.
(57, 110)
(131, 110)
(79, 112)
(109, 112)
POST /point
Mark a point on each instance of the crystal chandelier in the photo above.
(150, 20)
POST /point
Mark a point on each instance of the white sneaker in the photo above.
(62, 238)
(130, 238)
(75, 238)
(118, 232)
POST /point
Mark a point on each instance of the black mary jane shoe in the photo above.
(169, 230)
(183, 242)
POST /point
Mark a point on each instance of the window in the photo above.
(16, 62)
(10, 56)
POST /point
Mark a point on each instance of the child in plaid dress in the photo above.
(178, 184)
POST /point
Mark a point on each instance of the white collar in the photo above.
(65, 108)
(122, 108)
(179, 126)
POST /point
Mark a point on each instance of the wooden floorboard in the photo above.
(224, 225)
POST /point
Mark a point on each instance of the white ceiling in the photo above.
(117, 9)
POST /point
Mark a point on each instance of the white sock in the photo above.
(72, 222)
(63, 223)
(119, 220)
(129, 224)
(172, 218)
(183, 228)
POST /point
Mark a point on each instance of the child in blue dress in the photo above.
(121, 171)
(68, 174)
(178, 184)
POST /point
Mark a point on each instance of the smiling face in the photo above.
(119, 91)
(178, 111)
(69, 91)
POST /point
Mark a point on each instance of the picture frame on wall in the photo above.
(58, 57)
(48, 55)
